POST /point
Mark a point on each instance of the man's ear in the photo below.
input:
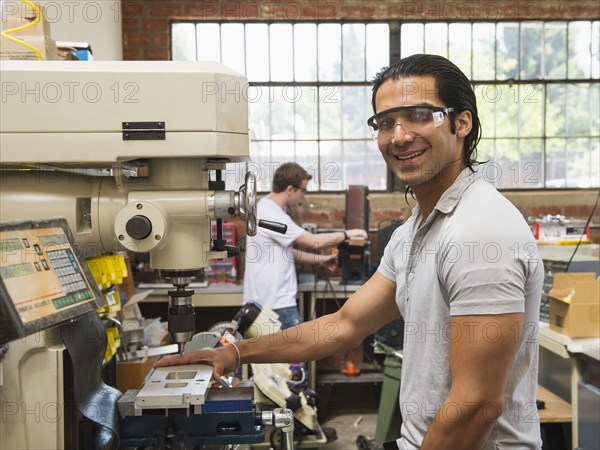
(464, 123)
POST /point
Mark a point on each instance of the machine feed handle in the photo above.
(273, 226)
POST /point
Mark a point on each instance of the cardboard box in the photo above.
(131, 374)
(42, 28)
(13, 50)
(575, 304)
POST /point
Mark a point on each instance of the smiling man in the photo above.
(463, 272)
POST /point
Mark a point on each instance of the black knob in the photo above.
(139, 227)
(278, 227)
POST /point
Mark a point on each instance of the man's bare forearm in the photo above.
(461, 425)
(305, 342)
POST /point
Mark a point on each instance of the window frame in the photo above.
(395, 52)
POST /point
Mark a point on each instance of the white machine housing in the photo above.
(64, 126)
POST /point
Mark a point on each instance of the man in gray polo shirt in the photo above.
(463, 271)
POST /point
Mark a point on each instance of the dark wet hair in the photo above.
(452, 87)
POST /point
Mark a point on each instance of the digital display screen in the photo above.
(10, 245)
(43, 282)
(53, 239)
(17, 270)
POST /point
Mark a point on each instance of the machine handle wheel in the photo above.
(248, 204)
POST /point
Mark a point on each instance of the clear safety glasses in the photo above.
(414, 120)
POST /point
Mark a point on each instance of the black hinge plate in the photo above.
(144, 131)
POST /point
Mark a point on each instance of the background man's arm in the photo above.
(318, 241)
(482, 350)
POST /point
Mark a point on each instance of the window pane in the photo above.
(360, 167)
(377, 169)
(282, 114)
(257, 36)
(507, 51)
(353, 46)
(281, 52)
(232, 42)
(531, 50)
(330, 117)
(234, 175)
(580, 174)
(305, 52)
(487, 96)
(307, 155)
(436, 39)
(507, 106)
(594, 100)
(183, 42)
(484, 40)
(531, 114)
(596, 50)
(579, 49)
(578, 109)
(307, 114)
(331, 174)
(260, 152)
(259, 112)
(282, 152)
(485, 152)
(507, 154)
(555, 50)
(556, 114)
(460, 46)
(411, 39)
(330, 52)
(355, 110)
(209, 42)
(378, 48)
(529, 172)
(556, 163)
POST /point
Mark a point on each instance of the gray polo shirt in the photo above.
(474, 255)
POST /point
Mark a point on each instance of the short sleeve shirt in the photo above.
(270, 272)
(474, 255)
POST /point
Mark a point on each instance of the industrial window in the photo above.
(537, 86)
(309, 94)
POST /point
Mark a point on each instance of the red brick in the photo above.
(166, 9)
(201, 10)
(131, 27)
(136, 39)
(132, 11)
(155, 25)
(161, 40)
(329, 11)
(132, 54)
(357, 12)
(156, 54)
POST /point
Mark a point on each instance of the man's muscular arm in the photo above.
(482, 350)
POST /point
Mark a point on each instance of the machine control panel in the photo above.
(42, 281)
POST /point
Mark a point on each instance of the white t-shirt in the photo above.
(474, 255)
(270, 273)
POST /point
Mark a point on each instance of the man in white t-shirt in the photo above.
(270, 272)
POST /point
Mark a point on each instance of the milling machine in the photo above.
(129, 154)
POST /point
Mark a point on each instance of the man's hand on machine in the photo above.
(224, 360)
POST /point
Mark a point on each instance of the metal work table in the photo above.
(570, 348)
(230, 295)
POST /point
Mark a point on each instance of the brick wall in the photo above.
(146, 22)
